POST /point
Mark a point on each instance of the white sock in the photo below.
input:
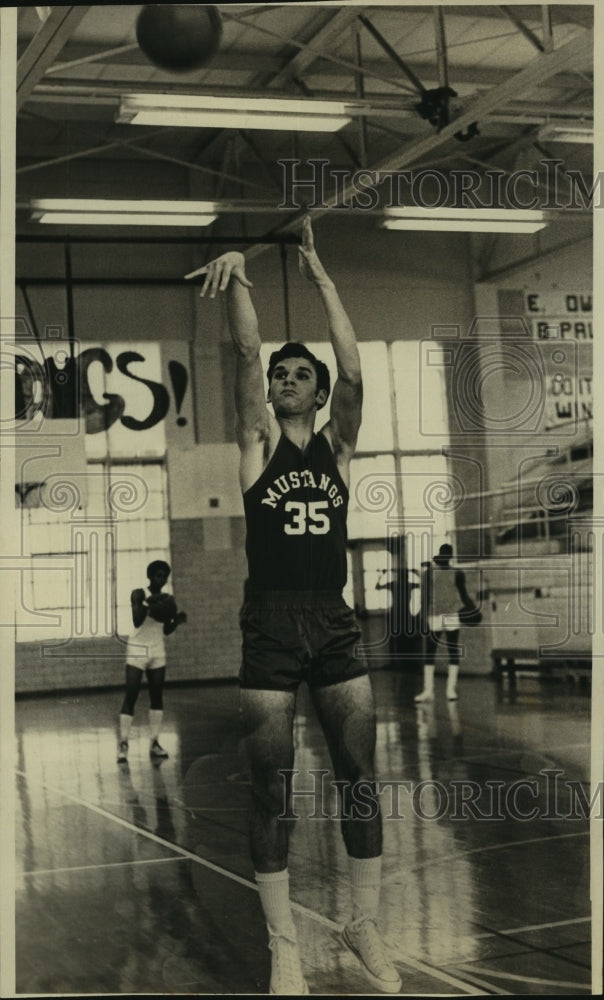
(429, 677)
(273, 889)
(365, 882)
(452, 677)
(125, 726)
(155, 721)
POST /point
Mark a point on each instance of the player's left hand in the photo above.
(308, 261)
(181, 618)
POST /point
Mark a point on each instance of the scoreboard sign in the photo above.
(556, 315)
(560, 315)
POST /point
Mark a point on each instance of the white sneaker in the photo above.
(452, 694)
(426, 695)
(122, 752)
(287, 979)
(365, 941)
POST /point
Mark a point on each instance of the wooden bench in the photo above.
(509, 659)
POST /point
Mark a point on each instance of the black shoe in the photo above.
(158, 751)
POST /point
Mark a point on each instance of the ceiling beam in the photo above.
(268, 168)
(93, 57)
(538, 71)
(518, 264)
(441, 47)
(325, 54)
(142, 150)
(522, 28)
(44, 47)
(359, 88)
(323, 39)
(581, 15)
(547, 25)
(392, 54)
(104, 70)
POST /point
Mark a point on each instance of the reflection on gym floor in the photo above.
(136, 878)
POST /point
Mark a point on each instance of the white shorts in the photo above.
(145, 657)
(444, 623)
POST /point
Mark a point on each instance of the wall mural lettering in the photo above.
(62, 387)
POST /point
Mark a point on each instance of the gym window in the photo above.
(84, 563)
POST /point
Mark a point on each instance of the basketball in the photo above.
(179, 37)
(162, 608)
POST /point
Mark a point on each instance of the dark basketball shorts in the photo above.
(294, 636)
(444, 637)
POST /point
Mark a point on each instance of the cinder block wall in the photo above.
(79, 663)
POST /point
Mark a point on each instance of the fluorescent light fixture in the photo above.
(111, 212)
(567, 131)
(467, 220)
(195, 111)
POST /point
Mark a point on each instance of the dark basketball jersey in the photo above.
(444, 593)
(296, 520)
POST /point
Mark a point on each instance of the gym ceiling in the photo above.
(512, 68)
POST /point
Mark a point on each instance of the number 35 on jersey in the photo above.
(307, 517)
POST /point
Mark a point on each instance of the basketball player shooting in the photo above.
(296, 625)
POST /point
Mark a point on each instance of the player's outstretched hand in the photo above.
(181, 618)
(308, 261)
(220, 271)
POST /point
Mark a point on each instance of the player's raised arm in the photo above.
(347, 396)
(227, 274)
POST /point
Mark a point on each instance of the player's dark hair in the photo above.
(156, 565)
(293, 349)
(445, 554)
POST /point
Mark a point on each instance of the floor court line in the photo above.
(492, 759)
(182, 851)
(214, 809)
(526, 979)
(311, 914)
(511, 781)
(479, 850)
(543, 950)
(503, 751)
(486, 986)
(535, 927)
(120, 821)
(444, 977)
(546, 765)
(86, 868)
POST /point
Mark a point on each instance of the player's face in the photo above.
(158, 579)
(293, 387)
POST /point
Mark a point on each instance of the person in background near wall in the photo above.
(146, 652)
(443, 589)
(403, 628)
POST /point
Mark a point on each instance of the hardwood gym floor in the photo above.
(137, 880)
